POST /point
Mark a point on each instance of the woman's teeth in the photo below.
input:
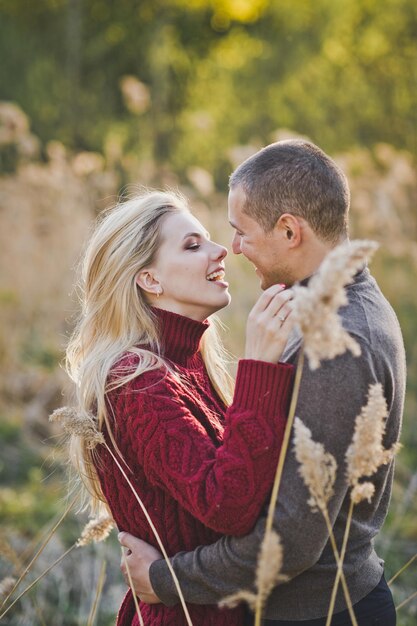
(215, 275)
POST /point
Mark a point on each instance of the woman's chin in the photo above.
(218, 306)
(224, 302)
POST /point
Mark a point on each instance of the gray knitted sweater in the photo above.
(330, 398)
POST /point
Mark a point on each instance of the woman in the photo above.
(149, 365)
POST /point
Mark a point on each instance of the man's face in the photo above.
(265, 250)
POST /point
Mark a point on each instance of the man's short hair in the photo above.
(297, 177)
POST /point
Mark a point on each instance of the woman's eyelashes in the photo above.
(193, 243)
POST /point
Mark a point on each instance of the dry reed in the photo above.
(97, 595)
(40, 550)
(363, 458)
(402, 569)
(135, 599)
(95, 531)
(315, 306)
(315, 309)
(278, 474)
(268, 574)
(318, 470)
(8, 553)
(72, 422)
(35, 582)
(406, 601)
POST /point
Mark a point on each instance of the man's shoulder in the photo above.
(369, 317)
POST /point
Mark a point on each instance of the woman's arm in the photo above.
(224, 487)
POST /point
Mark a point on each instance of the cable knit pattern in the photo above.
(200, 469)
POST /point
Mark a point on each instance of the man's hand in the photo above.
(139, 556)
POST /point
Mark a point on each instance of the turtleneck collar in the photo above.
(180, 337)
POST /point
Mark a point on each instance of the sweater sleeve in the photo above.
(213, 572)
(223, 486)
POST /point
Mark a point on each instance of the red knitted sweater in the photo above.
(200, 469)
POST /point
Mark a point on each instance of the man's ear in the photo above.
(290, 228)
(147, 281)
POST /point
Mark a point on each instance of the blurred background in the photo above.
(98, 98)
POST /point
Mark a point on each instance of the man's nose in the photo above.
(236, 244)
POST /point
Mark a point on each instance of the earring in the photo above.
(159, 292)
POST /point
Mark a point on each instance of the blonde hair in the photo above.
(116, 318)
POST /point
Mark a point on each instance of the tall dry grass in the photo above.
(46, 208)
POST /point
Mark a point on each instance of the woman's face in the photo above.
(188, 270)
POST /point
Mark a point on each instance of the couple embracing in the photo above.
(201, 450)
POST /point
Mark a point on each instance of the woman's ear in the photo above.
(147, 281)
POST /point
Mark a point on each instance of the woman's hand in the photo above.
(269, 325)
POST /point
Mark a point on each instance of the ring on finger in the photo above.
(281, 318)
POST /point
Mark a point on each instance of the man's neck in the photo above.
(312, 257)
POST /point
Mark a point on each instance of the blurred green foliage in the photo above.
(34, 351)
(213, 73)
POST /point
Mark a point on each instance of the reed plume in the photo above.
(362, 491)
(6, 586)
(95, 531)
(366, 453)
(363, 458)
(318, 470)
(268, 574)
(315, 306)
(317, 467)
(79, 424)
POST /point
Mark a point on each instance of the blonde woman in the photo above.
(150, 367)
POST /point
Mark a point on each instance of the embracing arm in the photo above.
(329, 400)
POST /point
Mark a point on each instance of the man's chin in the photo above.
(268, 281)
(265, 283)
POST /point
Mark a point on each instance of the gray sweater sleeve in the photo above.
(330, 398)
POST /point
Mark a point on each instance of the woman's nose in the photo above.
(220, 252)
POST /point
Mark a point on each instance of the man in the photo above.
(289, 207)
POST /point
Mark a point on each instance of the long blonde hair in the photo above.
(116, 318)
